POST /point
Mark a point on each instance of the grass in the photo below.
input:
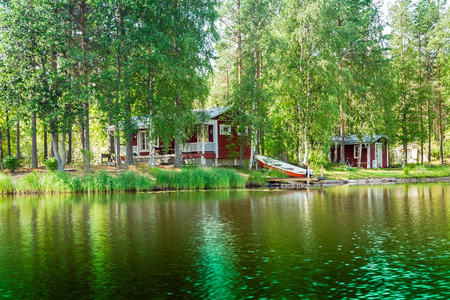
(186, 179)
(411, 171)
(198, 178)
(6, 185)
(60, 182)
(129, 181)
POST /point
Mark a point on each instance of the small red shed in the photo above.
(374, 152)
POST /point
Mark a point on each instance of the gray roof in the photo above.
(213, 112)
(353, 139)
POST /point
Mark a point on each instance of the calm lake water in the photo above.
(345, 242)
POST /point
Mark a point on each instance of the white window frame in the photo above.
(224, 129)
(355, 151)
(143, 141)
(145, 146)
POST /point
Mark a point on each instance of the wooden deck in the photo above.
(294, 179)
(293, 183)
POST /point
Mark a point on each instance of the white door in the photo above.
(379, 154)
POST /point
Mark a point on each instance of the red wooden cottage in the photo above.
(216, 141)
(374, 154)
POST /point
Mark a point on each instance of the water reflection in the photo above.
(341, 242)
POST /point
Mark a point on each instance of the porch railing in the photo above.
(197, 147)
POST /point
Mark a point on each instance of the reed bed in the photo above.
(6, 185)
(60, 182)
(129, 181)
(198, 178)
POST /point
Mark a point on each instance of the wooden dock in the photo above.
(296, 183)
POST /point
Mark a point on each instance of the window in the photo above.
(225, 129)
(356, 150)
(143, 140)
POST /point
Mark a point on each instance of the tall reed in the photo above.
(198, 178)
(6, 185)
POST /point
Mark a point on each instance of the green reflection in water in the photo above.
(340, 242)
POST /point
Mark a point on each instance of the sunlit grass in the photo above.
(61, 182)
(413, 171)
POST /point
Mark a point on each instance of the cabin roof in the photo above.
(353, 139)
(213, 112)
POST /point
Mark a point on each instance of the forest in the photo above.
(298, 72)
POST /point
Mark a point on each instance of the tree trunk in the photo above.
(117, 156)
(18, 140)
(405, 155)
(129, 135)
(63, 152)
(1, 150)
(300, 152)
(8, 133)
(151, 84)
(342, 125)
(253, 136)
(45, 143)
(81, 126)
(178, 154)
(306, 157)
(111, 143)
(441, 134)
(87, 146)
(55, 148)
(34, 159)
(69, 146)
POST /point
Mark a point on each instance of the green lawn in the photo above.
(408, 172)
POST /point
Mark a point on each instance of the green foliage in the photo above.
(319, 158)
(257, 178)
(51, 164)
(11, 163)
(351, 169)
(406, 170)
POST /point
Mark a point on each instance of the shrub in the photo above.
(11, 163)
(51, 164)
(406, 170)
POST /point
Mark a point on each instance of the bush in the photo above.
(51, 164)
(11, 163)
(406, 170)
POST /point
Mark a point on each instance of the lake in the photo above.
(344, 242)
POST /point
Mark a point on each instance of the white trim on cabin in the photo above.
(225, 129)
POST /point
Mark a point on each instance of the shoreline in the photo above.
(387, 180)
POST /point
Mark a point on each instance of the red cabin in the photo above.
(374, 152)
(216, 141)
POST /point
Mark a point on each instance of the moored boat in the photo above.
(288, 169)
